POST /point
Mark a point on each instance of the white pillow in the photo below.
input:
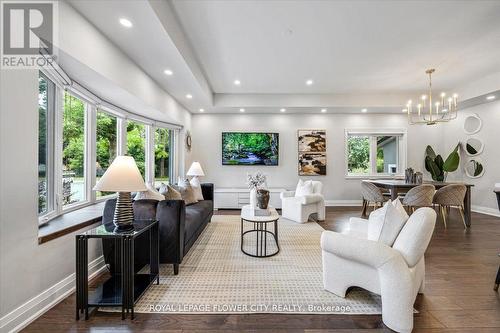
(195, 184)
(150, 193)
(304, 188)
(384, 224)
(399, 206)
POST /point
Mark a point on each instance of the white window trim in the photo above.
(371, 132)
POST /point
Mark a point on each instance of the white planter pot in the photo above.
(253, 198)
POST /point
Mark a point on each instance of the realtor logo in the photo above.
(28, 32)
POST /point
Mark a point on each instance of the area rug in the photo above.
(216, 277)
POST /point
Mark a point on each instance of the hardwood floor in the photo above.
(459, 297)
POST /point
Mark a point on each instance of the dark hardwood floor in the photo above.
(459, 297)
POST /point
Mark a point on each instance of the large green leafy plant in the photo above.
(437, 167)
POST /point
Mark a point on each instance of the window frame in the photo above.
(372, 134)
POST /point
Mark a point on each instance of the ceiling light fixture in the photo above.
(168, 72)
(430, 113)
(490, 97)
(126, 23)
(309, 82)
(237, 82)
(189, 96)
(364, 110)
(404, 110)
(242, 110)
(323, 110)
(202, 110)
(283, 110)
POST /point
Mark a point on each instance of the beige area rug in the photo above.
(216, 277)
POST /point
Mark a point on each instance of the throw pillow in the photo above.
(150, 193)
(399, 206)
(384, 224)
(187, 192)
(195, 183)
(304, 188)
(169, 192)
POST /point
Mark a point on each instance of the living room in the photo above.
(264, 134)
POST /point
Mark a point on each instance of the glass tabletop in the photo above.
(109, 230)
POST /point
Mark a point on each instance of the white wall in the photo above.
(207, 139)
(483, 198)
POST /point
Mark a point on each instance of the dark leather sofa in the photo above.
(179, 227)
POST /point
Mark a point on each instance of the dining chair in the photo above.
(450, 196)
(372, 194)
(419, 196)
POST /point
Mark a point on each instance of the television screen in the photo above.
(250, 148)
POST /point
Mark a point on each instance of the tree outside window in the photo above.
(136, 144)
(162, 155)
(358, 154)
(106, 145)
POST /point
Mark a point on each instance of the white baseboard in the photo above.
(486, 210)
(332, 203)
(22, 316)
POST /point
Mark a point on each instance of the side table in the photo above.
(126, 287)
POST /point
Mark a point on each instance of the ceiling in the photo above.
(359, 54)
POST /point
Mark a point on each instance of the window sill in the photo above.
(383, 176)
(70, 222)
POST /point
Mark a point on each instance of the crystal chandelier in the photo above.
(428, 113)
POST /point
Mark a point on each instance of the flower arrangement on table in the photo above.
(256, 181)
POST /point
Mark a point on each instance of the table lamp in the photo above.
(195, 171)
(122, 176)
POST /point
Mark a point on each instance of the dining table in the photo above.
(399, 186)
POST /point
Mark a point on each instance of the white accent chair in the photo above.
(396, 273)
(299, 208)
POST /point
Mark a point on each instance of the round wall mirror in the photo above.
(474, 168)
(472, 124)
(474, 146)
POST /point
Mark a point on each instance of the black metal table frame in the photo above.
(260, 229)
(124, 243)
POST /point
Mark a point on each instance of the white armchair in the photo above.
(299, 208)
(396, 273)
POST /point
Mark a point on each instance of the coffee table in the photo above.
(260, 230)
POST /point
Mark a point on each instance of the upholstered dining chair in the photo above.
(372, 194)
(450, 196)
(419, 196)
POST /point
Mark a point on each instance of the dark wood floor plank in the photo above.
(460, 271)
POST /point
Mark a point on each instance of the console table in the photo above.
(236, 198)
(121, 289)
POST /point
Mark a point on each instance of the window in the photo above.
(46, 91)
(376, 152)
(74, 187)
(136, 144)
(162, 155)
(106, 145)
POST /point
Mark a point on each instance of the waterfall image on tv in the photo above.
(240, 148)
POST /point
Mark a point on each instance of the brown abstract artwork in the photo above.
(312, 152)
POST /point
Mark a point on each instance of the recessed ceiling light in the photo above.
(202, 110)
(323, 110)
(189, 96)
(126, 23)
(282, 110)
(404, 110)
(490, 97)
(168, 72)
(237, 82)
(364, 110)
(309, 82)
(242, 110)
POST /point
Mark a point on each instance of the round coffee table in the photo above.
(260, 230)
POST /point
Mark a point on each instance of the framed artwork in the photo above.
(312, 164)
(312, 152)
(313, 141)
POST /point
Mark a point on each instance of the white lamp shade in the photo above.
(195, 170)
(123, 175)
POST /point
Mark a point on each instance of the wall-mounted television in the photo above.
(244, 148)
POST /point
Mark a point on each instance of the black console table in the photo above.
(125, 287)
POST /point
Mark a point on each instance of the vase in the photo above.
(253, 197)
(262, 198)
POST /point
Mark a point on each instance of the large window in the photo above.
(74, 188)
(372, 153)
(136, 144)
(46, 109)
(106, 145)
(163, 161)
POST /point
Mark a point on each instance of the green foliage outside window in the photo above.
(358, 151)
(136, 144)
